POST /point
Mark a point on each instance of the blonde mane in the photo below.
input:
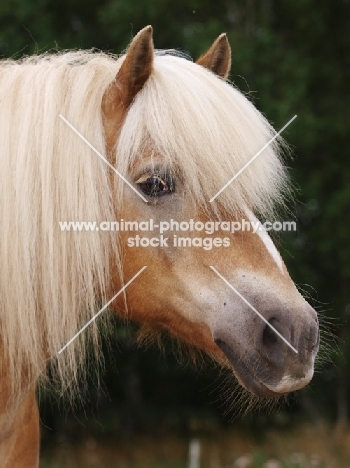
(205, 131)
(52, 282)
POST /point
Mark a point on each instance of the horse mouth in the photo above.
(249, 380)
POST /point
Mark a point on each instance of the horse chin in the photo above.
(245, 377)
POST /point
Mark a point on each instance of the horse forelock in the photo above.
(205, 131)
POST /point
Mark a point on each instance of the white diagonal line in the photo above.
(253, 158)
(101, 310)
(254, 309)
(103, 158)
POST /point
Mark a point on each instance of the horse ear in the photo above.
(134, 71)
(218, 57)
(132, 75)
(137, 66)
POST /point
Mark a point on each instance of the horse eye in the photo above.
(156, 186)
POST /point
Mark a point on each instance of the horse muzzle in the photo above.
(264, 363)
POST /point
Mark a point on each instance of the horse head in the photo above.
(178, 129)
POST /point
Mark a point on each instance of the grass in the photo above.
(302, 447)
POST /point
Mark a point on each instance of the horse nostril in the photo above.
(269, 336)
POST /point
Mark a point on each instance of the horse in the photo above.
(159, 136)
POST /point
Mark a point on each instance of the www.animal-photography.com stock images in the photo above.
(174, 241)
